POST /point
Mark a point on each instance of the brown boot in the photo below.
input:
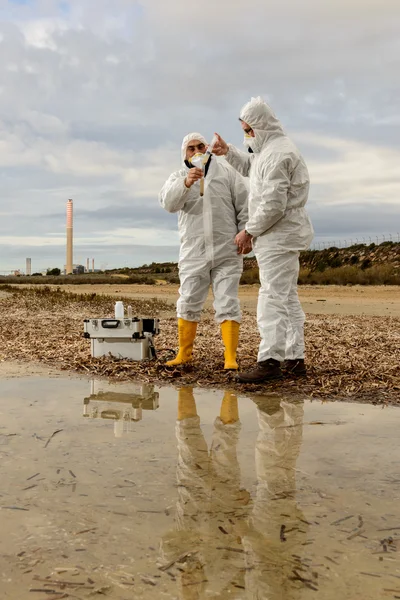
(295, 367)
(264, 371)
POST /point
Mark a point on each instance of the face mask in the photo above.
(254, 143)
(248, 140)
(197, 160)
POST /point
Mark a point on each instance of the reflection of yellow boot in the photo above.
(230, 337)
(187, 333)
(186, 404)
(229, 412)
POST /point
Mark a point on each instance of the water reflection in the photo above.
(223, 541)
(211, 503)
(123, 407)
(276, 531)
(204, 501)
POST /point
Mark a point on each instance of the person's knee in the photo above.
(274, 298)
(227, 311)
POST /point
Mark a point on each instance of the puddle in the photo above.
(128, 491)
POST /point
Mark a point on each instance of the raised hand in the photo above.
(220, 147)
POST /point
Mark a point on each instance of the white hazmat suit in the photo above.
(277, 529)
(208, 255)
(211, 503)
(280, 226)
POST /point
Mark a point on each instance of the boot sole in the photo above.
(264, 379)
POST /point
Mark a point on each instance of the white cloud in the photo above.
(359, 172)
(41, 33)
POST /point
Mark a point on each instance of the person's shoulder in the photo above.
(280, 149)
(281, 143)
(176, 174)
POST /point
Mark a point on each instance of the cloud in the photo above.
(95, 98)
(355, 172)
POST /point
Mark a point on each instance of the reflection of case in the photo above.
(123, 406)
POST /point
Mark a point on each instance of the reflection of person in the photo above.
(208, 225)
(276, 528)
(280, 228)
(211, 503)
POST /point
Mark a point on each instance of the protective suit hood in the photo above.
(261, 119)
(186, 141)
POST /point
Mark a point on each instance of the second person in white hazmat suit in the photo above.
(208, 225)
(276, 538)
(279, 228)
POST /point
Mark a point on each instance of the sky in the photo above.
(96, 96)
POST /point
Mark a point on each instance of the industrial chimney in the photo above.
(28, 270)
(92, 265)
(70, 262)
(87, 265)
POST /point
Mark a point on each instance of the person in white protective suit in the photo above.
(208, 226)
(211, 504)
(276, 532)
(279, 228)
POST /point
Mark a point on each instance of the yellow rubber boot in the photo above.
(230, 337)
(229, 412)
(186, 404)
(186, 333)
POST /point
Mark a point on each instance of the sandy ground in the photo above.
(352, 357)
(324, 300)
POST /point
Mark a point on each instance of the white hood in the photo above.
(261, 119)
(186, 141)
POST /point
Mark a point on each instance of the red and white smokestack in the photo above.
(92, 265)
(70, 261)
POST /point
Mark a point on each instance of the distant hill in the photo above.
(372, 264)
(387, 253)
(153, 268)
(358, 264)
(364, 257)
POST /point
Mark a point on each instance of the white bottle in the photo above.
(129, 312)
(119, 310)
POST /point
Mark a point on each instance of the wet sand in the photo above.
(11, 369)
(105, 494)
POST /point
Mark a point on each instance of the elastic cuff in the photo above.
(188, 317)
(231, 151)
(250, 230)
(223, 318)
